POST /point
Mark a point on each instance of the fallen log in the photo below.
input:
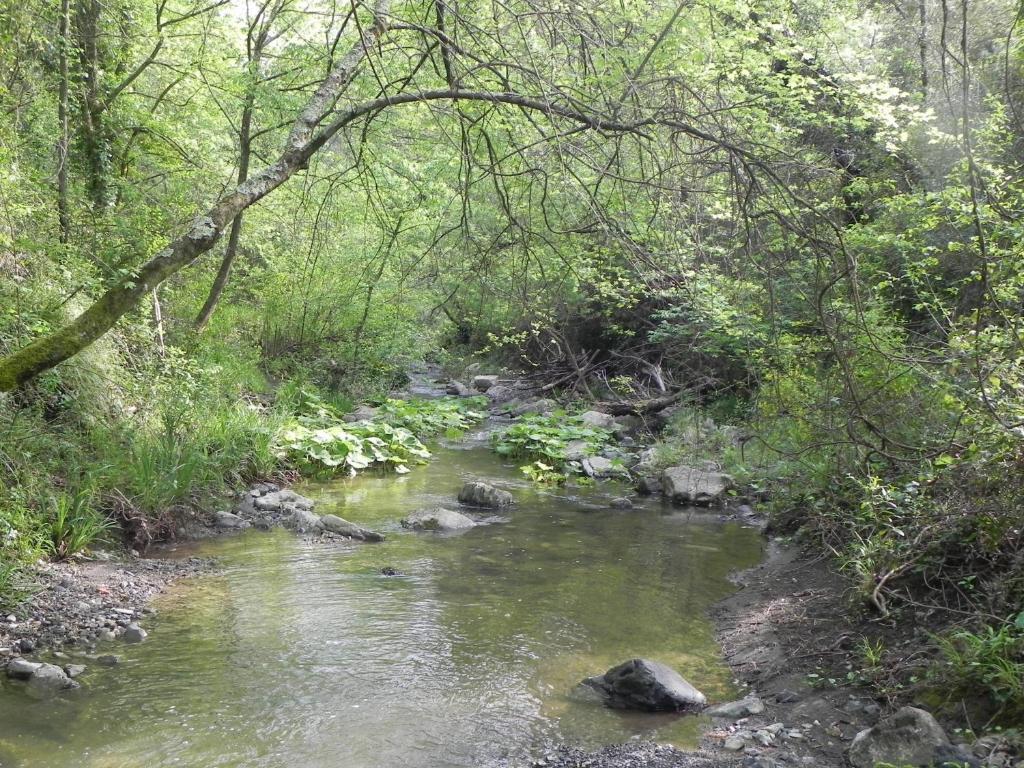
(638, 407)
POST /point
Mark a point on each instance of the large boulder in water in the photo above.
(688, 485)
(439, 519)
(911, 736)
(342, 527)
(479, 494)
(646, 685)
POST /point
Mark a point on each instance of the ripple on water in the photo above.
(301, 653)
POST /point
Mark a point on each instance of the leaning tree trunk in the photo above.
(206, 229)
(302, 143)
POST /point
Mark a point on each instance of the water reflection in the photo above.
(301, 653)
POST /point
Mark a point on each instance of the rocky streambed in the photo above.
(446, 617)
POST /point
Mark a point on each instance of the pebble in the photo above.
(734, 743)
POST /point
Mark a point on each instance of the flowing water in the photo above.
(300, 653)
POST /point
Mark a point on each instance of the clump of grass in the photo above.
(74, 523)
(989, 661)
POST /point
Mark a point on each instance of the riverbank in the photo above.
(785, 634)
(84, 606)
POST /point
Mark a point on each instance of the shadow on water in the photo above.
(300, 653)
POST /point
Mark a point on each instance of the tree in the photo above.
(496, 66)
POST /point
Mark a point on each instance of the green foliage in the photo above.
(349, 448)
(318, 441)
(545, 439)
(989, 661)
(74, 523)
(424, 418)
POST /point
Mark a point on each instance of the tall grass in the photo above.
(74, 523)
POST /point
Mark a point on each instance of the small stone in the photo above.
(598, 419)
(229, 520)
(621, 503)
(764, 738)
(74, 670)
(734, 744)
(133, 633)
(737, 709)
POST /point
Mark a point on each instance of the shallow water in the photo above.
(299, 653)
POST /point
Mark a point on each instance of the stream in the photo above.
(299, 652)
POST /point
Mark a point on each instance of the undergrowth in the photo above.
(555, 443)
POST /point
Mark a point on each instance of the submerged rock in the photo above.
(133, 633)
(439, 519)
(621, 503)
(479, 494)
(646, 685)
(50, 678)
(342, 527)
(22, 669)
(648, 485)
(687, 485)
(458, 389)
(911, 736)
